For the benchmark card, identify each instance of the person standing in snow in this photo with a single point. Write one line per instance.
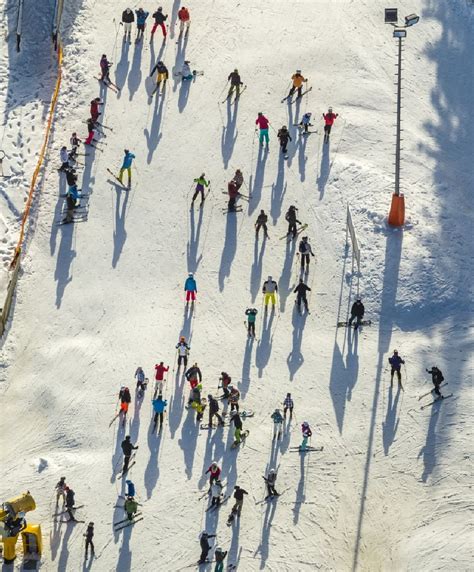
(214, 471)
(160, 371)
(89, 535)
(219, 555)
(64, 156)
(396, 363)
(329, 119)
(127, 20)
(183, 352)
(269, 289)
(284, 136)
(300, 292)
(277, 418)
(261, 222)
(90, 132)
(70, 502)
(357, 313)
(235, 83)
(306, 433)
(263, 124)
(141, 21)
(184, 20)
(159, 406)
(205, 546)
(61, 490)
(125, 400)
(437, 379)
(213, 405)
(140, 377)
(291, 219)
(216, 493)
(305, 123)
(234, 397)
(238, 426)
(162, 74)
(75, 143)
(305, 251)
(288, 405)
(190, 287)
(186, 73)
(130, 488)
(201, 183)
(298, 81)
(233, 192)
(126, 166)
(160, 20)
(225, 380)
(239, 493)
(127, 448)
(251, 314)
(193, 375)
(94, 109)
(130, 507)
(270, 481)
(105, 66)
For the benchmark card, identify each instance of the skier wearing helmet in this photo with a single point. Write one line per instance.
(214, 471)
(307, 433)
(357, 313)
(270, 480)
(201, 182)
(183, 351)
(190, 287)
(396, 362)
(298, 81)
(284, 136)
(235, 83)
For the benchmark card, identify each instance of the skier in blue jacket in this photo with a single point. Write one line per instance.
(396, 362)
(141, 19)
(190, 288)
(127, 166)
(159, 406)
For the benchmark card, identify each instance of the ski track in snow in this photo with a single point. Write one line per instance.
(391, 490)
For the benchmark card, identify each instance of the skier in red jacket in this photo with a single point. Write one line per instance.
(329, 119)
(160, 371)
(94, 110)
(263, 124)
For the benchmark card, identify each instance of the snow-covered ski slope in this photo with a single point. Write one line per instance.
(392, 488)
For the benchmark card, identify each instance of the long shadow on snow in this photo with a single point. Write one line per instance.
(324, 170)
(174, 18)
(135, 74)
(215, 449)
(117, 457)
(278, 190)
(134, 428)
(193, 242)
(428, 451)
(176, 404)
(188, 440)
(153, 136)
(152, 471)
(257, 185)
(125, 556)
(229, 249)
(244, 383)
(119, 233)
(300, 491)
(295, 358)
(64, 554)
(58, 211)
(229, 133)
(184, 90)
(263, 548)
(264, 346)
(256, 271)
(392, 420)
(121, 69)
(284, 288)
(66, 253)
(302, 158)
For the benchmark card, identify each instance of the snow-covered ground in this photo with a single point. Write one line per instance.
(392, 488)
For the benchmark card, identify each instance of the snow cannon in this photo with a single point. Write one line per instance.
(13, 522)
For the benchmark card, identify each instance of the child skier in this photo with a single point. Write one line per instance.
(234, 398)
(238, 426)
(214, 471)
(300, 292)
(183, 351)
(307, 433)
(437, 379)
(131, 507)
(216, 493)
(305, 123)
(270, 480)
(288, 404)
(190, 287)
(235, 83)
(94, 109)
(193, 375)
(291, 219)
(251, 314)
(162, 74)
(125, 399)
(105, 66)
(305, 251)
(127, 166)
(127, 448)
(284, 136)
(225, 380)
(61, 490)
(200, 184)
(140, 377)
(277, 423)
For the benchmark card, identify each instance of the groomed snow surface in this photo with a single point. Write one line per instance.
(392, 488)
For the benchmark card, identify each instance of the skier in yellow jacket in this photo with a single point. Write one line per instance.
(298, 81)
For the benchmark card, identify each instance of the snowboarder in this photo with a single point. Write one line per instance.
(141, 20)
(160, 371)
(238, 425)
(437, 378)
(234, 396)
(70, 502)
(305, 250)
(263, 124)
(298, 81)
(128, 18)
(357, 313)
(214, 410)
(261, 223)
(160, 19)
(269, 289)
(105, 66)
(127, 448)
(184, 20)
(130, 507)
(126, 166)
(225, 380)
(183, 351)
(270, 480)
(159, 406)
(284, 136)
(94, 109)
(219, 555)
(216, 493)
(61, 490)
(396, 362)
(291, 219)
(89, 535)
(306, 433)
(200, 184)
(305, 122)
(329, 119)
(205, 546)
(277, 423)
(288, 404)
(300, 292)
(214, 471)
(162, 74)
(239, 493)
(235, 84)
(140, 377)
(64, 156)
(190, 287)
(251, 314)
(193, 375)
(125, 400)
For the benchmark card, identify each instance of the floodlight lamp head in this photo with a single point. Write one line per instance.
(399, 33)
(391, 15)
(411, 20)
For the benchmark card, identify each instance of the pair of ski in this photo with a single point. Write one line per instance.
(297, 97)
(65, 511)
(236, 97)
(437, 398)
(124, 473)
(223, 500)
(272, 497)
(299, 230)
(110, 84)
(82, 217)
(305, 450)
(127, 522)
(346, 324)
(242, 414)
(119, 181)
(235, 210)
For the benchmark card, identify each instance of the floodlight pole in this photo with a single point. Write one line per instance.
(399, 119)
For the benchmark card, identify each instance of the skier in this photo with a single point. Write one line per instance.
(261, 223)
(70, 502)
(127, 448)
(160, 371)
(160, 19)
(305, 250)
(214, 471)
(270, 288)
(159, 406)
(195, 395)
(193, 375)
(239, 493)
(200, 184)
(214, 410)
(105, 66)
(277, 423)
(233, 195)
(219, 555)
(89, 535)
(183, 351)
(127, 20)
(94, 109)
(284, 136)
(162, 74)
(305, 122)
(198, 404)
(90, 132)
(298, 81)
(141, 19)
(125, 399)
(61, 490)
(190, 287)
(130, 507)
(270, 480)
(437, 378)
(288, 404)
(329, 119)
(300, 292)
(186, 73)
(238, 179)
(290, 217)
(75, 142)
(307, 433)
(235, 84)
(127, 166)
(216, 492)
(225, 379)
(263, 124)
(64, 156)
(205, 546)
(251, 314)
(184, 20)
(238, 426)
(357, 313)
(234, 398)
(70, 206)
(396, 362)
(140, 377)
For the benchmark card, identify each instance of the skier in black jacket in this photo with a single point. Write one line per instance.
(160, 19)
(290, 217)
(357, 313)
(235, 83)
(239, 493)
(284, 136)
(300, 291)
(262, 223)
(128, 17)
(89, 535)
(205, 546)
(213, 405)
(437, 378)
(305, 251)
(127, 448)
